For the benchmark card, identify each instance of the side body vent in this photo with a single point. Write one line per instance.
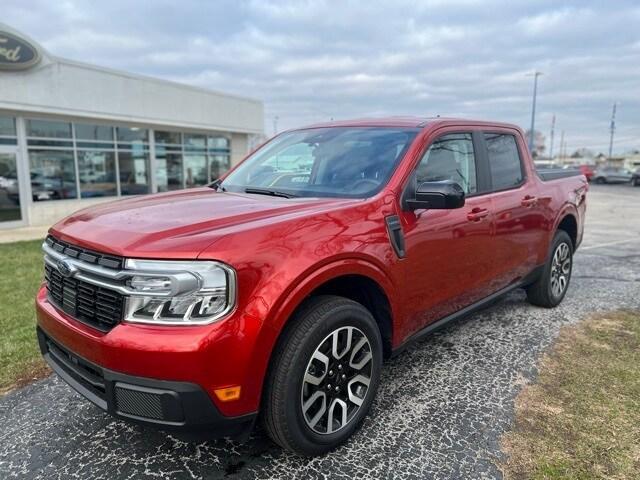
(396, 236)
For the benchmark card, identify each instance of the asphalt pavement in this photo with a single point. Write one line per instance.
(440, 412)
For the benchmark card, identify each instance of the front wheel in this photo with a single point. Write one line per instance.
(324, 376)
(549, 290)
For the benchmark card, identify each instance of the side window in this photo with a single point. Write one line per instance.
(450, 157)
(504, 160)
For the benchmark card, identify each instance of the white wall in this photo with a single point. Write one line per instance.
(64, 87)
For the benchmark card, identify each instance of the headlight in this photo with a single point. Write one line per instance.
(179, 293)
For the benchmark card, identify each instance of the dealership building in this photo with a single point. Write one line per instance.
(73, 134)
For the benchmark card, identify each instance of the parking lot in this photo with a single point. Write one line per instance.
(443, 404)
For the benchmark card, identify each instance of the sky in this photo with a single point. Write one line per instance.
(311, 61)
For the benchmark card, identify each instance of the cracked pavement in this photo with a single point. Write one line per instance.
(441, 409)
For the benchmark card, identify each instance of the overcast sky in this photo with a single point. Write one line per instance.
(310, 61)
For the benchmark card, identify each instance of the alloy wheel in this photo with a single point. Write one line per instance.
(336, 380)
(560, 269)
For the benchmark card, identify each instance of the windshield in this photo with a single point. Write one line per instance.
(351, 162)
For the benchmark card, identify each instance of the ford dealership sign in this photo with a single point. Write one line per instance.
(16, 53)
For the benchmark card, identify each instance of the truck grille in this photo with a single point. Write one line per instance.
(85, 255)
(96, 306)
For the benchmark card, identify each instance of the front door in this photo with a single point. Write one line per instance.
(11, 198)
(449, 253)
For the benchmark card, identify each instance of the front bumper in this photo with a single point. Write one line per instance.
(182, 408)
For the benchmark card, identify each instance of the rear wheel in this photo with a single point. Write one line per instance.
(549, 290)
(601, 180)
(324, 376)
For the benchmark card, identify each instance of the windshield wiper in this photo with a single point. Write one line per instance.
(266, 191)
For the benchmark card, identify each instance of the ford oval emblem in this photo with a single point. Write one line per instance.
(66, 268)
(16, 53)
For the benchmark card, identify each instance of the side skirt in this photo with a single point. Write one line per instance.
(474, 307)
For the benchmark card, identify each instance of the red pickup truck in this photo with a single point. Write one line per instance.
(278, 290)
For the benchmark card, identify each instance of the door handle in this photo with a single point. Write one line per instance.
(477, 214)
(529, 201)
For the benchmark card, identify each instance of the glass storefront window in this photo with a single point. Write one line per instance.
(7, 126)
(195, 170)
(48, 129)
(8, 131)
(97, 173)
(218, 164)
(218, 143)
(132, 134)
(9, 189)
(173, 138)
(193, 141)
(86, 131)
(53, 175)
(134, 176)
(182, 159)
(169, 171)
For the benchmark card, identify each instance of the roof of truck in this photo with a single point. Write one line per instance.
(408, 122)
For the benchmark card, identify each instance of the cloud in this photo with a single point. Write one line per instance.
(313, 60)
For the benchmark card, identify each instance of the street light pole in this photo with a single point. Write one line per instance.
(535, 74)
(613, 129)
(553, 127)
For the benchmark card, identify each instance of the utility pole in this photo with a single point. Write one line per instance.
(535, 74)
(613, 129)
(553, 127)
(275, 124)
(562, 146)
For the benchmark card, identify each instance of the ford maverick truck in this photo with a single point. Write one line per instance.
(275, 293)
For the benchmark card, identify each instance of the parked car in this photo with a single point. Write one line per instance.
(612, 175)
(635, 178)
(200, 311)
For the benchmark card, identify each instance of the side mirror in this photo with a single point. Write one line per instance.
(437, 195)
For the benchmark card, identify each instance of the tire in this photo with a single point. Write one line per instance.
(289, 412)
(600, 180)
(549, 290)
(635, 182)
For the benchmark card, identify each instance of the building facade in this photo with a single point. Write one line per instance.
(73, 134)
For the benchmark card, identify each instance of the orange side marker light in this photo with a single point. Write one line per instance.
(228, 394)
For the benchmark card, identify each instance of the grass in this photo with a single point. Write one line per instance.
(21, 272)
(581, 420)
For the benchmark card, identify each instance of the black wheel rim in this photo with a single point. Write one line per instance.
(336, 380)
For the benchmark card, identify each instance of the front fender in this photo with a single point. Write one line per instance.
(292, 298)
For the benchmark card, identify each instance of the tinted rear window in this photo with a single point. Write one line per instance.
(504, 160)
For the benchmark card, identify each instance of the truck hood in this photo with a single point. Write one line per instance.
(177, 224)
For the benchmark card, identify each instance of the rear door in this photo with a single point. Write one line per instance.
(519, 221)
(448, 262)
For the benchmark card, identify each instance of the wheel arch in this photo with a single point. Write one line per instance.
(569, 224)
(355, 279)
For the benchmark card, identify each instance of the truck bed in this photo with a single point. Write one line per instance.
(547, 174)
